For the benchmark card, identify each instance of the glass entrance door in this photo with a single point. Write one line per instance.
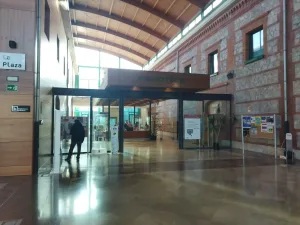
(193, 125)
(105, 116)
(101, 126)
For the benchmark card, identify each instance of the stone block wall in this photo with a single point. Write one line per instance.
(258, 85)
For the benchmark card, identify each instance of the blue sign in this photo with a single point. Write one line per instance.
(246, 121)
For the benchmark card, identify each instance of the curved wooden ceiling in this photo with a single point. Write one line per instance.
(133, 29)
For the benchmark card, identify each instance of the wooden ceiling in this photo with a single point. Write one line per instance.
(133, 29)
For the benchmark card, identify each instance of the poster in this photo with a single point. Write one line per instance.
(115, 139)
(257, 121)
(246, 121)
(253, 131)
(264, 128)
(192, 127)
(253, 120)
(270, 120)
(270, 129)
(67, 123)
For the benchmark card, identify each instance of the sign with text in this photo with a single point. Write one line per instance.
(12, 61)
(192, 127)
(247, 121)
(11, 87)
(20, 108)
(115, 138)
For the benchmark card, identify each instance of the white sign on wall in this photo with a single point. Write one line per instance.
(12, 61)
(192, 127)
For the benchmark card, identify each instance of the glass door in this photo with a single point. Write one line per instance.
(101, 126)
(105, 116)
(193, 125)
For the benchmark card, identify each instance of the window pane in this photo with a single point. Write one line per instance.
(108, 60)
(262, 38)
(129, 65)
(84, 84)
(207, 10)
(216, 63)
(256, 42)
(87, 57)
(88, 73)
(93, 84)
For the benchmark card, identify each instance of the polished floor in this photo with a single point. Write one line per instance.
(156, 184)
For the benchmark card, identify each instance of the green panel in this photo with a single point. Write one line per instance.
(11, 87)
(76, 112)
(76, 81)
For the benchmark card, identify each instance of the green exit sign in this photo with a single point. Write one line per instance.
(12, 87)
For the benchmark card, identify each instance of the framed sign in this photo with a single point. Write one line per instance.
(192, 127)
(12, 61)
(20, 108)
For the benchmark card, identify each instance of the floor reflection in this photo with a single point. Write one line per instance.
(155, 183)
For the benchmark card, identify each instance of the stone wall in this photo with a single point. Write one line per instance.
(258, 85)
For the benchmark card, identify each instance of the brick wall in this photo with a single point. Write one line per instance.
(258, 85)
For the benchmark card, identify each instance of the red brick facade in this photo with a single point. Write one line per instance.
(258, 85)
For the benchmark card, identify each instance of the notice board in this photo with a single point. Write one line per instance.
(260, 126)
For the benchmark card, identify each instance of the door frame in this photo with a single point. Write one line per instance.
(121, 95)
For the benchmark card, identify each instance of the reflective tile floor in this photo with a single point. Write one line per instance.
(156, 184)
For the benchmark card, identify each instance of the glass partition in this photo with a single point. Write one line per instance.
(193, 126)
(218, 124)
(78, 108)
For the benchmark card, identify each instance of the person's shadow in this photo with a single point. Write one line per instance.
(75, 173)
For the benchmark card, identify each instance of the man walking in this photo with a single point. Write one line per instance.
(77, 134)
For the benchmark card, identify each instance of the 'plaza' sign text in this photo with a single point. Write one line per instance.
(12, 61)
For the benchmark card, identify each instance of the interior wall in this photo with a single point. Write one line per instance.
(258, 85)
(52, 71)
(16, 129)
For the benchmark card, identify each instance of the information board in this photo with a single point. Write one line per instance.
(192, 127)
(260, 126)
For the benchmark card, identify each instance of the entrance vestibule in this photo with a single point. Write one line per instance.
(160, 106)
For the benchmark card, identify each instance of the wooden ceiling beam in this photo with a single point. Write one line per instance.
(118, 18)
(155, 12)
(110, 52)
(115, 33)
(85, 37)
(199, 3)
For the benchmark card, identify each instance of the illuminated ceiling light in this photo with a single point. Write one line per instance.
(135, 88)
(168, 90)
(175, 85)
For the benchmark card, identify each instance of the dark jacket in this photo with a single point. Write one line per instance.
(77, 132)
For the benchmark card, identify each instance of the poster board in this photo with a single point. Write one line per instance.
(67, 123)
(260, 126)
(192, 127)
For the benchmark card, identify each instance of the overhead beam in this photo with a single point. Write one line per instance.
(85, 37)
(121, 19)
(155, 12)
(115, 33)
(110, 52)
(200, 3)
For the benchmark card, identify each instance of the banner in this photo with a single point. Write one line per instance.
(192, 127)
(115, 139)
(67, 123)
